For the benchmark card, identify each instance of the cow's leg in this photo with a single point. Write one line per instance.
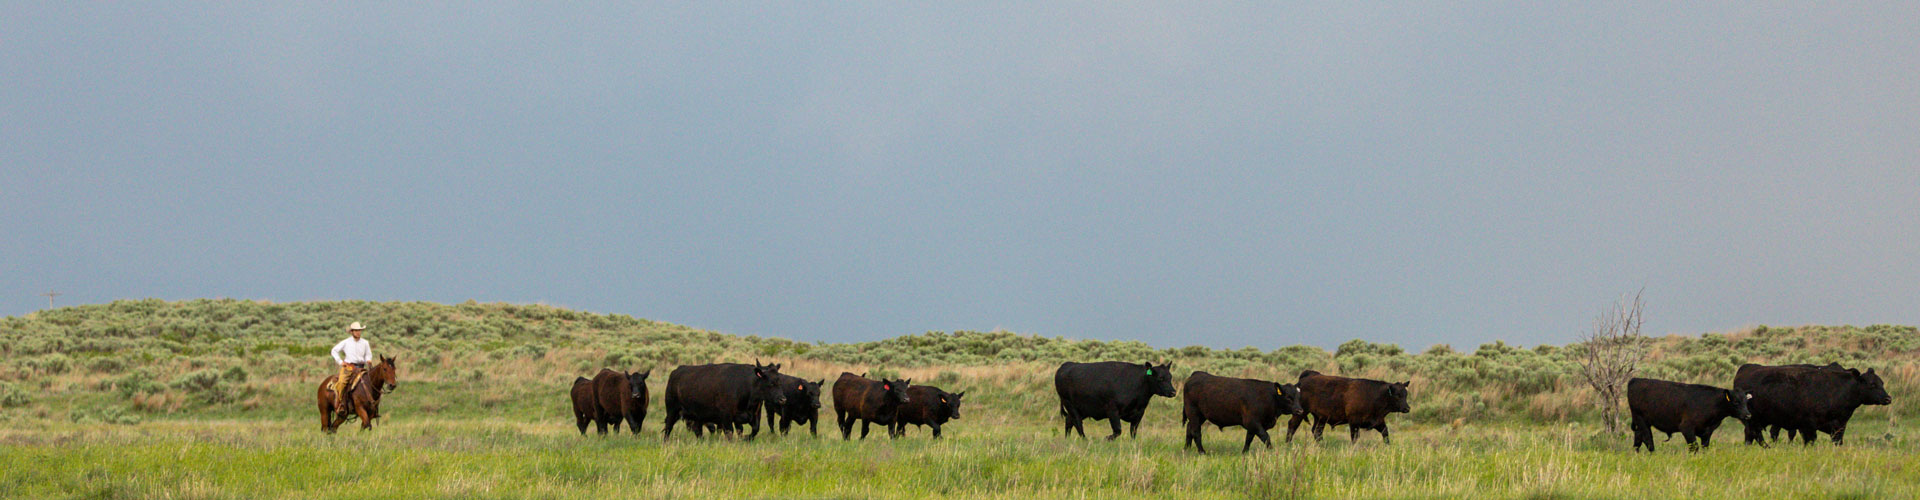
(601, 424)
(1753, 433)
(1353, 432)
(1293, 424)
(1774, 433)
(1642, 434)
(936, 430)
(1113, 420)
(1248, 445)
(1840, 435)
(673, 416)
(1193, 435)
(1386, 437)
(863, 428)
(1807, 436)
(1133, 429)
(615, 426)
(1692, 444)
(1318, 426)
(813, 426)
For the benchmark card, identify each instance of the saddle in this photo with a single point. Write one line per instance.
(354, 376)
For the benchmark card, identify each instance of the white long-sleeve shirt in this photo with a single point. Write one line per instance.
(353, 350)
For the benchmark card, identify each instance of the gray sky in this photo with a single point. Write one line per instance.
(1224, 175)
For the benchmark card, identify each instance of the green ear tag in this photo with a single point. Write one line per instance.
(1149, 371)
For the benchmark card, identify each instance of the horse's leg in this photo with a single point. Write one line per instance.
(360, 408)
(324, 417)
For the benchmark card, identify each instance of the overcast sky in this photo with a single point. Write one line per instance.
(1216, 174)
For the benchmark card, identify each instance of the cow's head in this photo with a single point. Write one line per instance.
(766, 385)
(801, 393)
(895, 390)
(1868, 389)
(1734, 402)
(637, 385)
(951, 403)
(1286, 397)
(1396, 398)
(1160, 378)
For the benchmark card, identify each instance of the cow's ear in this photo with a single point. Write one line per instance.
(758, 373)
(643, 375)
(821, 382)
(960, 394)
(1854, 371)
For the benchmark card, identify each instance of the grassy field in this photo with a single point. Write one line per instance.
(492, 458)
(214, 399)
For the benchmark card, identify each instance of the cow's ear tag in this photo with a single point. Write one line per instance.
(1749, 397)
(1149, 371)
(1729, 397)
(1280, 392)
(886, 387)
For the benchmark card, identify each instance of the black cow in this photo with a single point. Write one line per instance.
(929, 406)
(803, 404)
(619, 396)
(1112, 390)
(585, 409)
(723, 394)
(1254, 405)
(1356, 402)
(867, 401)
(1807, 399)
(1693, 410)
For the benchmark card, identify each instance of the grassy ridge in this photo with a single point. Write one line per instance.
(134, 360)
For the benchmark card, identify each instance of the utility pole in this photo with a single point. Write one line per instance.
(50, 295)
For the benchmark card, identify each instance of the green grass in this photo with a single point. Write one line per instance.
(215, 399)
(488, 458)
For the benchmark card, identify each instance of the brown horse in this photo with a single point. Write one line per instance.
(365, 394)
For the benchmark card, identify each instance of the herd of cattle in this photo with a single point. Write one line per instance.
(729, 398)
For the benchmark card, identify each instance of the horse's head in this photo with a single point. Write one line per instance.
(386, 377)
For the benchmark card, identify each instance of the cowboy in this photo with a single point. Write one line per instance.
(352, 354)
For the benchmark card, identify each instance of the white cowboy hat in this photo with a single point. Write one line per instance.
(355, 326)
